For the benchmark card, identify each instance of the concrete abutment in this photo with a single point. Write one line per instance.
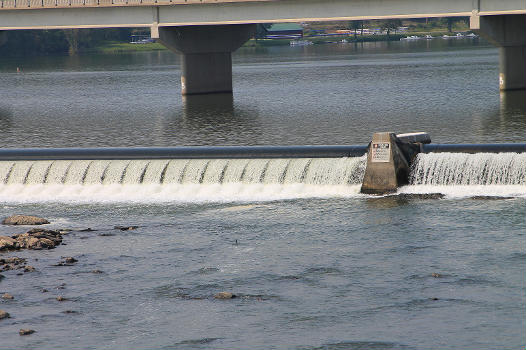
(206, 54)
(508, 32)
(389, 159)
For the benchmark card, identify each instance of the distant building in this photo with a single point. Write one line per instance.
(284, 31)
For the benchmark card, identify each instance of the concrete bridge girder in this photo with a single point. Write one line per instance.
(206, 54)
(508, 33)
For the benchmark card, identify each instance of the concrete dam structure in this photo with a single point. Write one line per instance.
(388, 164)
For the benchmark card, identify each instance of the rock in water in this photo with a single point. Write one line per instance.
(26, 331)
(29, 268)
(7, 296)
(12, 263)
(24, 220)
(70, 260)
(7, 243)
(125, 228)
(37, 238)
(3, 314)
(224, 295)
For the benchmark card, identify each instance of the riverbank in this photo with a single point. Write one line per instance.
(113, 47)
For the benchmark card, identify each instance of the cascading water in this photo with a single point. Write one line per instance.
(459, 175)
(469, 169)
(179, 179)
(320, 171)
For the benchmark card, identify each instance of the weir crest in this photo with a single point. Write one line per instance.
(319, 171)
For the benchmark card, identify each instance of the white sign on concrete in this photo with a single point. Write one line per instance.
(381, 152)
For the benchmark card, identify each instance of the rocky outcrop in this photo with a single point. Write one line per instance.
(24, 220)
(12, 263)
(39, 239)
(35, 238)
(7, 243)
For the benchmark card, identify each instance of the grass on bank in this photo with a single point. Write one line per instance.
(112, 47)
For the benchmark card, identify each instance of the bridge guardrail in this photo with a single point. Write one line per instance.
(40, 4)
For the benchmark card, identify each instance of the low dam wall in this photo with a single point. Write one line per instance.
(399, 161)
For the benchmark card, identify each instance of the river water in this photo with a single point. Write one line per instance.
(315, 264)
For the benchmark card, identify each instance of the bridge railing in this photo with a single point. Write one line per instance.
(28, 4)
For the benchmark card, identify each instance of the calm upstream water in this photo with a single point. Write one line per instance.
(314, 264)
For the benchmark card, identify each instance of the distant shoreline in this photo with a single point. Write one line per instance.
(121, 47)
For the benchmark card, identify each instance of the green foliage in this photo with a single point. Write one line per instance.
(261, 29)
(41, 42)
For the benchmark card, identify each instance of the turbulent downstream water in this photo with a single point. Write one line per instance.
(315, 264)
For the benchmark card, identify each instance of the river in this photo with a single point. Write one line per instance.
(314, 264)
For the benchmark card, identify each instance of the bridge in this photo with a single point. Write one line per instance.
(206, 32)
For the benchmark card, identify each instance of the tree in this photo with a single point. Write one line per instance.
(390, 24)
(355, 25)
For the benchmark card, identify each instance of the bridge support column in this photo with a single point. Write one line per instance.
(3, 37)
(206, 54)
(508, 32)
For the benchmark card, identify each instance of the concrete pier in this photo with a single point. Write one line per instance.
(206, 54)
(389, 159)
(387, 167)
(508, 32)
(3, 37)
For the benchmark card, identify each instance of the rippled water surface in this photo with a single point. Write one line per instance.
(314, 265)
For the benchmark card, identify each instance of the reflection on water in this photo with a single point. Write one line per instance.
(513, 102)
(220, 104)
(5, 119)
(510, 119)
(317, 94)
(216, 115)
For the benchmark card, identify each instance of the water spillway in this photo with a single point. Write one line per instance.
(318, 171)
(191, 174)
(468, 169)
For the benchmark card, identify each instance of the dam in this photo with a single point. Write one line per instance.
(223, 171)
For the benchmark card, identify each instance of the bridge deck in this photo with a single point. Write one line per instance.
(62, 14)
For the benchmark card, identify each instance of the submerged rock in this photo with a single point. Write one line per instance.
(7, 296)
(12, 263)
(3, 314)
(24, 220)
(224, 295)
(26, 331)
(491, 197)
(125, 228)
(418, 195)
(61, 298)
(29, 268)
(436, 275)
(68, 260)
